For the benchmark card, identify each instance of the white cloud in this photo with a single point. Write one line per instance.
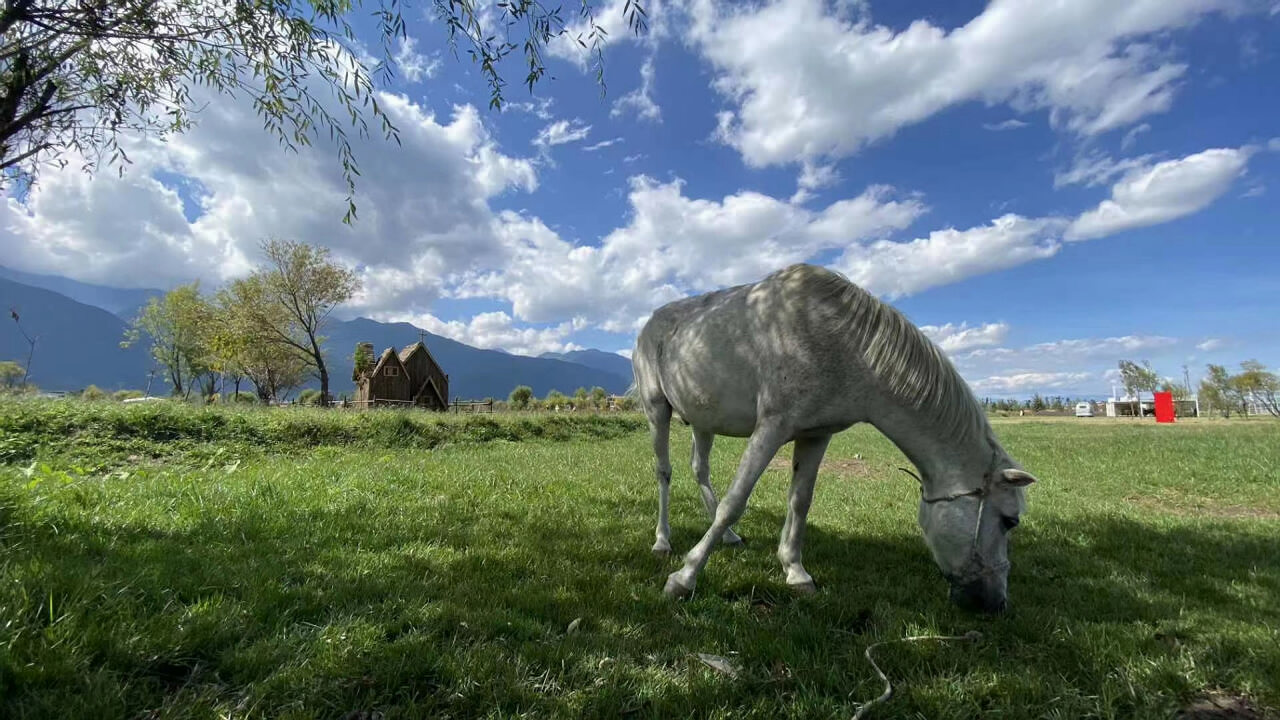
(561, 132)
(813, 177)
(602, 144)
(626, 353)
(610, 17)
(1066, 352)
(640, 101)
(1131, 137)
(412, 227)
(896, 269)
(1069, 366)
(1029, 382)
(493, 330)
(1098, 169)
(1010, 124)
(540, 109)
(414, 65)
(804, 83)
(1210, 345)
(1163, 192)
(959, 338)
(673, 246)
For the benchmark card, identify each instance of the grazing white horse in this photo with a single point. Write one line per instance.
(799, 356)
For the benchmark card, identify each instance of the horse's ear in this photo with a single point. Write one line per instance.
(1017, 478)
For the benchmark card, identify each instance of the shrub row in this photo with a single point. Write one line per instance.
(28, 425)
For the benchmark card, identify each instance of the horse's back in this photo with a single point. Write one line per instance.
(718, 357)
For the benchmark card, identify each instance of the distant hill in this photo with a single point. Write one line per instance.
(598, 359)
(76, 344)
(122, 302)
(79, 345)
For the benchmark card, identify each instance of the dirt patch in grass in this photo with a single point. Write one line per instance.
(1224, 706)
(1201, 508)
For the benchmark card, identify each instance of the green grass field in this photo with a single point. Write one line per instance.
(162, 562)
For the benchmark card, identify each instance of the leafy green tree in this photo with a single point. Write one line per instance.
(599, 397)
(288, 302)
(92, 393)
(1138, 378)
(176, 326)
(245, 342)
(555, 398)
(1256, 383)
(520, 397)
(1216, 390)
(77, 75)
(363, 359)
(11, 374)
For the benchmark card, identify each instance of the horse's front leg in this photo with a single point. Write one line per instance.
(804, 473)
(768, 437)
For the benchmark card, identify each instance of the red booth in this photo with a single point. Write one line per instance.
(1164, 407)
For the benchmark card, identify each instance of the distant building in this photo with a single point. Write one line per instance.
(410, 377)
(1129, 406)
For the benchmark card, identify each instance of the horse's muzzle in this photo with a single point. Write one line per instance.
(978, 596)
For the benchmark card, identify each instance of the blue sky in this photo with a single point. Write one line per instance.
(1045, 189)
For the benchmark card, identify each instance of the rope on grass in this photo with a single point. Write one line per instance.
(971, 636)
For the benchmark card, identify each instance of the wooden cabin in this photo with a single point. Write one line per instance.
(409, 377)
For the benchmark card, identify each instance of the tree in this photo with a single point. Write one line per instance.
(1216, 390)
(10, 374)
(76, 75)
(1255, 382)
(247, 343)
(1137, 378)
(520, 397)
(289, 302)
(599, 397)
(555, 399)
(363, 359)
(176, 324)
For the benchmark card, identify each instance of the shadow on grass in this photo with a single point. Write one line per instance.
(319, 613)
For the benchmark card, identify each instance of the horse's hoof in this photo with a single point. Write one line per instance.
(675, 589)
(733, 541)
(804, 588)
(661, 551)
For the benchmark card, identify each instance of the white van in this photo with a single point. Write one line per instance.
(1084, 409)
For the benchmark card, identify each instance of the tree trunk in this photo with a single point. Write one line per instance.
(321, 369)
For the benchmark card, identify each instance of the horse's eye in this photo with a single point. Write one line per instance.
(1009, 523)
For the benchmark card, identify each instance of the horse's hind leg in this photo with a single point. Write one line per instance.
(806, 459)
(764, 444)
(702, 442)
(659, 414)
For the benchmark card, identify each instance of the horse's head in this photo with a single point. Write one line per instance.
(967, 531)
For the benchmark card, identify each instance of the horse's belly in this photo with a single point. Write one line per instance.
(708, 405)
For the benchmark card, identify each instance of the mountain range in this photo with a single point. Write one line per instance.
(79, 326)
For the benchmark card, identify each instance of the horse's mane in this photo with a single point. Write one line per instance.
(905, 362)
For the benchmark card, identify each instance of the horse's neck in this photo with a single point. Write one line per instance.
(920, 437)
